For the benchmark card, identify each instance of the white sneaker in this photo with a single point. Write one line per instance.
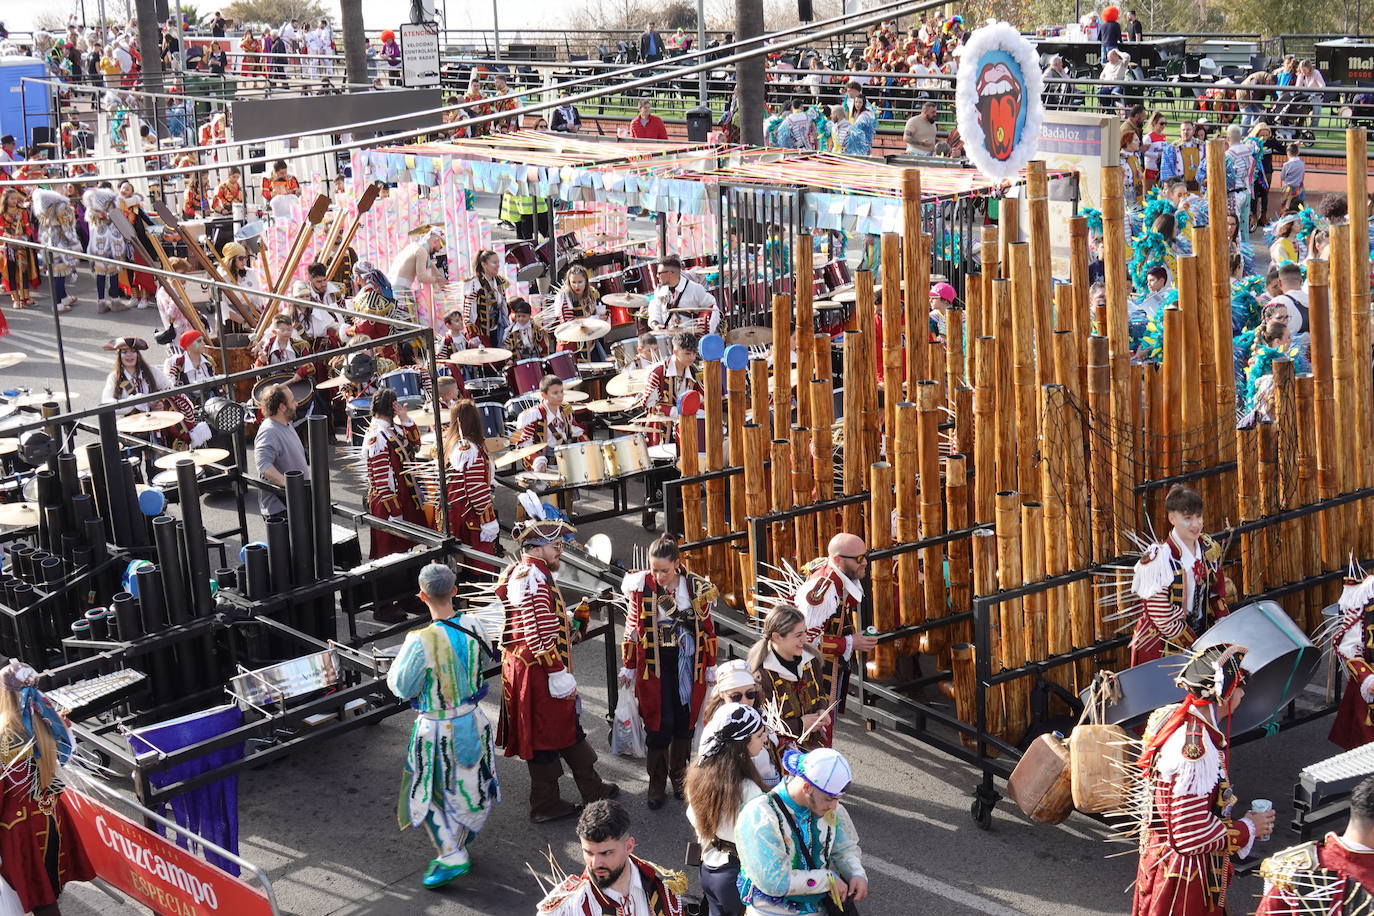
(140, 303)
(63, 308)
(102, 306)
(70, 300)
(119, 305)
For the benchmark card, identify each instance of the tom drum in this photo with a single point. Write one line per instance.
(580, 463)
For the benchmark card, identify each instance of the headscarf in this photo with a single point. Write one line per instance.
(21, 678)
(732, 722)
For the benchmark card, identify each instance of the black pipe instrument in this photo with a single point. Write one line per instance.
(99, 488)
(115, 507)
(279, 554)
(80, 629)
(197, 556)
(69, 482)
(127, 614)
(48, 497)
(30, 632)
(173, 576)
(161, 667)
(83, 508)
(138, 522)
(322, 512)
(96, 618)
(257, 583)
(301, 528)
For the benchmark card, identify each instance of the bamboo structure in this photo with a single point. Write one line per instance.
(931, 509)
(912, 599)
(985, 550)
(882, 661)
(915, 271)
(1011, 620)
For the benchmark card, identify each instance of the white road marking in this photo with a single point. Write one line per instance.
(935, 886)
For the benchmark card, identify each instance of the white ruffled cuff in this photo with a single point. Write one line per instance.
(562, 685)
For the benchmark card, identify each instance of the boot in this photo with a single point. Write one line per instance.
(545, 802)
(582, 761)
(657, 765)
(678, 755)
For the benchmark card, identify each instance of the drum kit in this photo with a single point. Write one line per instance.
(151, 422)
(201, 457)
(526, 260)
(625, 307)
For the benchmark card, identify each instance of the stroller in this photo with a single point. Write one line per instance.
(1293, 118)
(1359, 113)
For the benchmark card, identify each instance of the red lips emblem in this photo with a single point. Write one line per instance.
(999, 107)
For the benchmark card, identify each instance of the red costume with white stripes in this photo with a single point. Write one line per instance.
(1353, 642)
(662, 388)
(830, 601)
(274, 351)
(537, 643)
(650, 628)
(1181, 593)
(1188, 836)
(470, 503)
(390, 492)
(544, 424)
(1332, 877)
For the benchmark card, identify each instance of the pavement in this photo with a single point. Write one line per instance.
(322, 822)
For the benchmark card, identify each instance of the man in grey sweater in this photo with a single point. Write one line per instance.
(277, 448)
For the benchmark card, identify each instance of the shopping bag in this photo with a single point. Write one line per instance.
(627, 733)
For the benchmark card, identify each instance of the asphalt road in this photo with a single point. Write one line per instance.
(322, 822)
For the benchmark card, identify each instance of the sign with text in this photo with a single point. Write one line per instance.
(1082, 143)
(155, 871)
(420, 55)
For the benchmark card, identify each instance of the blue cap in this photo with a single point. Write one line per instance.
(711, 347)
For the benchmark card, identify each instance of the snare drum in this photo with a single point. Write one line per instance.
(580, 463)
(837, 274)
(619, 314)
(625, 455)
(609, 283)
(493, 419)
(830, 318)
(359, 416)
(562, 364)
(527, 264)
(527, 374)
(487, 388)
(406, 384)
(595, 367)
(166, 481)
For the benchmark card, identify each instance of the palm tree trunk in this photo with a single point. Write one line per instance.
(355, 55)
(749, 73)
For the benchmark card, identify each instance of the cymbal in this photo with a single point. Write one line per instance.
(150, 422)
(479, 356)
(421, 417)
(610, 405)
(575, 397)
(517, 455)
(632, 428)
(12, 359)
(422, 229)
(496, 443)
(337, 381)
(631, 381)
(9, 446)
(750, 336)
(37, 398)
(20, 515)
(201, 456)
(625, 300)
(655, 418)
(582, 330)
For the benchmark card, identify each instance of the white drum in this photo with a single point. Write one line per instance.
(625, 455)
(625, 352)
(580, 463)
(667, 452)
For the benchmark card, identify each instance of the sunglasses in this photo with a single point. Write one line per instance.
(741, 695)
(861, 558)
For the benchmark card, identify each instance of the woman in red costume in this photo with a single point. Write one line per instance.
(471, 509)
(18, 265)
(39, 851)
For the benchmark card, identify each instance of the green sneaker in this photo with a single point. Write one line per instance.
(438, 874)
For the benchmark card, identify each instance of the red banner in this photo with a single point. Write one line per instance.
(155, 871)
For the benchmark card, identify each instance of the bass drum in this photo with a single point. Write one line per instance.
(1279, 660)
(580, 463)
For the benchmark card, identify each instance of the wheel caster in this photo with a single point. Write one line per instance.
(981, 814)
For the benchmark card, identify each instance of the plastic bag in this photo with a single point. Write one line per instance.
(9, 900)
(627, 732)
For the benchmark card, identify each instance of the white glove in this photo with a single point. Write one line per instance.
(627, 675)
(490, 531)
(200, 434)
(541, 464)
(1367, 689)
(562, 685)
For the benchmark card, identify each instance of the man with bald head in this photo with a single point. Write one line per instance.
(830, 599)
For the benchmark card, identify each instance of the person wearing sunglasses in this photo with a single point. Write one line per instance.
(788, 672)
(735, 684)
(668, 657)
(798, 849)
(721, 780)
(830, 599)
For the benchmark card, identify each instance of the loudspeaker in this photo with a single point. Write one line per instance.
(804, 11)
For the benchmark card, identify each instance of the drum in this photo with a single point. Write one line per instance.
(818, 285)
(166, 481)
(568, 246)
(642, 278)
(1280, 661)
(544, 252)
(663, 454)
(406, 384)
(359, 416)
(699, 262)
(609, 283)
(527, 374)
(830, 317)
(527, 263)
(625, 455)
(487, 388)
(518, 405)
(493, 419)
(595, 367)
(625, 352)
(562, 364)
(665, 343)
(580, 463)
(238, 347)
(836, 274)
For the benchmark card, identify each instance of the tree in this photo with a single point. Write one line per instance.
(355, 55)
(274, 12)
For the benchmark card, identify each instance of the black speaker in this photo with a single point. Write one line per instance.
(804, 11)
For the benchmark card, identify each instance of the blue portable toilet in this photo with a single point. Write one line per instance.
(20, 101)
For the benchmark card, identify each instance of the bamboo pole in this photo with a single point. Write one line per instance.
(1079, 282)
(717, 512)
(929, 414)
(780, 474)
(894, 358)
(1357, 264)
(1267, 548)
(1054, 481)
(985, 546)
(736, 404)
(1009, 226)
(854, 468)
(963, 668)
(823, 451)
(1010, 613)
(914, 276)
(992, 270)
(973, 309)
(1308, 545)
(984, 429)
(1285, 497)
(758, 392)
(961, 402)
(1036, 634)
(907, 468)
(1041, 272)
(1171, 416)
(689, 464)
(1024, 385)
(1118, 339)
(1006, 393)
(1099, 407)
(882, 660)
(802, 256)
(1247, 494)
(756, 499)
(1192, 416)
(960, 550)
(782, 364)
(803, 490)
(1328, 446)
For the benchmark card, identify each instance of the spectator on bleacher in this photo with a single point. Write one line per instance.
(1135, 29)
(647, 125)
(565, 118)
(858, 139)
(1287, 72)
(920, 132)
(1114, 70)
(1311, 79)
(650, 45)
(218, 60)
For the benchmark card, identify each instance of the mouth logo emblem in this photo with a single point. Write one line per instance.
(999, 109)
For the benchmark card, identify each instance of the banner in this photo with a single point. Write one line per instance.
(154, 871)
(419, 55)
(997, 100)
(1071, 141)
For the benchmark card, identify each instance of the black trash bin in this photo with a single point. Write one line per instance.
(698, 124)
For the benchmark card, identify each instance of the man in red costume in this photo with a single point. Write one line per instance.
(539, 702)
(1333, 876)
(391, 440)
(1354, 635)
(830, 599)
(1187, 834)
(668, 656)
(669, 379)
(1179, 582)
